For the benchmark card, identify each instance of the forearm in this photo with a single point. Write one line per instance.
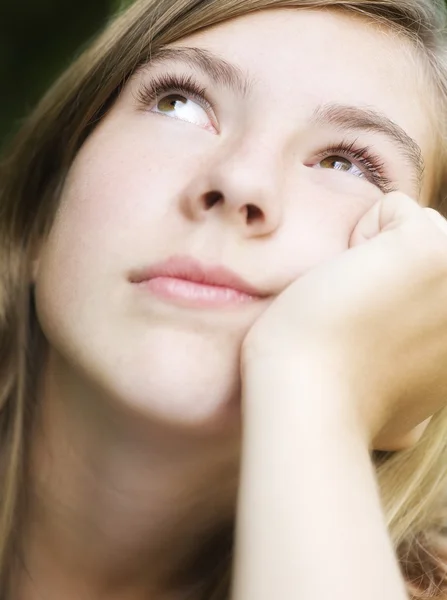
(310, 523)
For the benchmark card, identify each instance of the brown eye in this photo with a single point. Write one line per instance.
(169, 103)
(366, 164)
(336, 162)
(179, 106)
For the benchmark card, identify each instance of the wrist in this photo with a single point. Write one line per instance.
(295, 391)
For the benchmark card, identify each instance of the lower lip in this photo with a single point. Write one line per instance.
(195, 294)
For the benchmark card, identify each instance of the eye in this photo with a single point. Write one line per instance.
(179, 97)
(339, 163)
(362, 162)
(183, 108)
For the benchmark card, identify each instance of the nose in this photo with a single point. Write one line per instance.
(238, 185)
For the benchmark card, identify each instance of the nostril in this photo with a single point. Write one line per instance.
(212, 198)
(253, 212)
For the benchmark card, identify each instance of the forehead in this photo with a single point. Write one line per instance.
(303, 58)
(315, 52)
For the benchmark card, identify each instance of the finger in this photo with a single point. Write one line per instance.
(437, 218)
(389, 212)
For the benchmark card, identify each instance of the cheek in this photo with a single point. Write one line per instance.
(321, 218)
(115, 213)
(106, 194)
(117, 186)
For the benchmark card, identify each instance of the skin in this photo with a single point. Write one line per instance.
(137, 442)
(349, 357)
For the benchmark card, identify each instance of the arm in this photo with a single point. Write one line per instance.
(310, 523)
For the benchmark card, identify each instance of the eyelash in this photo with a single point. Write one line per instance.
(151, 91)
(175, 84)
(373, 164)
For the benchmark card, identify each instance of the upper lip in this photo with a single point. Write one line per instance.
(186, 267)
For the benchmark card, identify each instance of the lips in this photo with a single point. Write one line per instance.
(190, 269)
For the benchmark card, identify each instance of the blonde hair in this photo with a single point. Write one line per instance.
(412, 482)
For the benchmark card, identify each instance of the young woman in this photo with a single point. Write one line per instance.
(223, 309)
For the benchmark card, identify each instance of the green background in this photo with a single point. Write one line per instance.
(38, 39)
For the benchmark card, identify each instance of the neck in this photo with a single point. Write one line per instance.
(119, 507)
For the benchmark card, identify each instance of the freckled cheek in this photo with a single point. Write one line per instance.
(120, 184)
(144, 171)
(116, 188)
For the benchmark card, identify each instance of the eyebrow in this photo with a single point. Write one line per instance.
(220, 71)
(355, 118)
(343, 116)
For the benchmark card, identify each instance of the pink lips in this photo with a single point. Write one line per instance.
(184, 278)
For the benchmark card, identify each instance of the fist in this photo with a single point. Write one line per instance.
(376, 316)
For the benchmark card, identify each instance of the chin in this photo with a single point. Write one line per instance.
(183, 380)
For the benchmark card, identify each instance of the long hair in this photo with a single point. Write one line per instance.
(412, 482)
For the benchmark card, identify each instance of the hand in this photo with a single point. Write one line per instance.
(375, 316)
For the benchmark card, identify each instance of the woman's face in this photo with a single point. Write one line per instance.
(310, 82)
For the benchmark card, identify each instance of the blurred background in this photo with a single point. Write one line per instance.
(38, 39)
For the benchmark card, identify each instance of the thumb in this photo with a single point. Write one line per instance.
(390, 212)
